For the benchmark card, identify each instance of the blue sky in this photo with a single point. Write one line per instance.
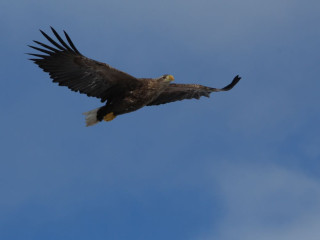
(240, 165)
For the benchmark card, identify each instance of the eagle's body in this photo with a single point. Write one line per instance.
(123, 92)
(135, 99)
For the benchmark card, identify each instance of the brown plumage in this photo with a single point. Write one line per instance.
(123, 92)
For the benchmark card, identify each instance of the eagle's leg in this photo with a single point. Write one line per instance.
(109, 117)
(105, 113)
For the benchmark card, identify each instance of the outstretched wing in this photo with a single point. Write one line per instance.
(178, 92)
(68, 67)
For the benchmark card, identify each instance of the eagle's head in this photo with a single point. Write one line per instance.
(167, 78)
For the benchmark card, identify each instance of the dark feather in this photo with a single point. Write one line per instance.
(46, 46)
(71, 43)
(38, 55)
(41, 50)
(228, 87)
(52, 41)
(61, 40)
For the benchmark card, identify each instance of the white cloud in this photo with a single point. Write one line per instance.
(266, 202)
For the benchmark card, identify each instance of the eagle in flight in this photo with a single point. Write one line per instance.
(122, 92)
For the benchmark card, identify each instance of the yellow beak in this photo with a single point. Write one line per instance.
(170, 78)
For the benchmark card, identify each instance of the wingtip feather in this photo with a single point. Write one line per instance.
(71, 43)
(234, 82)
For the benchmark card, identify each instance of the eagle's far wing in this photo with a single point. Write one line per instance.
(178, 92)
(68, 67)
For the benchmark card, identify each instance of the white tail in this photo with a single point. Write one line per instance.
(91, 117)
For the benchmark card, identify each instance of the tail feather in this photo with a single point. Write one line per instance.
(91, 117)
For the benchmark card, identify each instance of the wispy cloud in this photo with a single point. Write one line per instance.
(266, 202)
